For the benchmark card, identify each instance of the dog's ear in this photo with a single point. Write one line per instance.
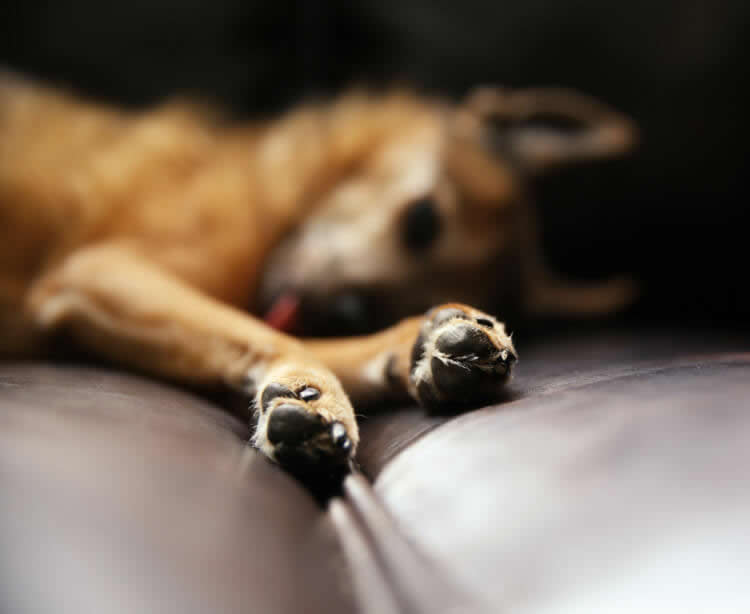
(539, 129)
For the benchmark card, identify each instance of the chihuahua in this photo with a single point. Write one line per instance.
(150, 238)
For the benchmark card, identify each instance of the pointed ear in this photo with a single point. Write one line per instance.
(539, 129)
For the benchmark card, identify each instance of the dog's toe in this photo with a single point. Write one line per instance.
(462, 358)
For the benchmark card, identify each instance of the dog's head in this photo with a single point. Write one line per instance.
(435, 211)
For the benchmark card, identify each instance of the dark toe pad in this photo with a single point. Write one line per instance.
(274, 391)
(292, 425)
(465, 340)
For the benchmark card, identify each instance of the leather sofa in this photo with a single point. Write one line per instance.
(613, 478)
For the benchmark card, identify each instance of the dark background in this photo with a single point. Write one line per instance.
(674, 214)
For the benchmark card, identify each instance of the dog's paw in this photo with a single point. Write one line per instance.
(305, 421)
(461, 358)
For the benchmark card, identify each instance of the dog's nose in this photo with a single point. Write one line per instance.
(292, 425)
(351, 312)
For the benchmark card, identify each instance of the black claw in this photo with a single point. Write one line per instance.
(309, 394)
(273, 391)
(340, 437)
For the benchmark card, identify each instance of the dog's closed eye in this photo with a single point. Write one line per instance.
(422, 224)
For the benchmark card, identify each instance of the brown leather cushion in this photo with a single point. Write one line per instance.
(118, 494)
(613, 477)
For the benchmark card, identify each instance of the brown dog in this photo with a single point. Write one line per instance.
(147, 236)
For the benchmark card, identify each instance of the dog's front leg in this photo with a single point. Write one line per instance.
(454, 356)
(114, 300)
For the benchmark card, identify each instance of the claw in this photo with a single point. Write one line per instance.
(339, 436)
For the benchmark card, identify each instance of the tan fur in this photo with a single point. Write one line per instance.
(148, 235)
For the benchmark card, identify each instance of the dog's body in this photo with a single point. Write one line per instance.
(149, 236)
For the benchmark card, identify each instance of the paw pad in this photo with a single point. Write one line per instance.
(274, 391)
(296, 435)
(291, 424)
(461, 357)
(464, 340)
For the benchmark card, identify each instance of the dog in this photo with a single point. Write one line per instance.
(150, 237)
